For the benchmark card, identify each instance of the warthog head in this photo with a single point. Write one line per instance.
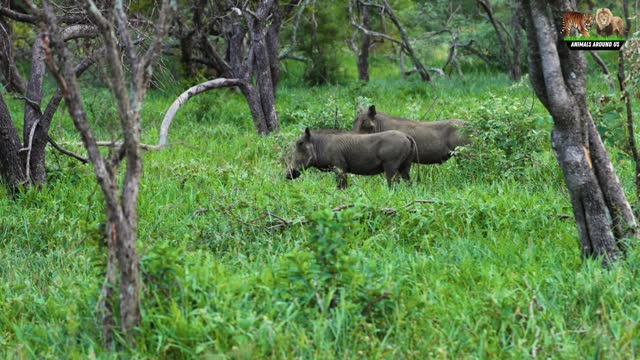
(365, 121)
(304, 155)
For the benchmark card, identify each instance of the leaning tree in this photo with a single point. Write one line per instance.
(558, 75)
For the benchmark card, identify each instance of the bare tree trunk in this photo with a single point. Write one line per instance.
(511, 63)
(515, 71)
(365, 44)
(407, 44)
(401, 62)
(121, 208)
(262, 67)
(11, 168)
(558, 78)
(627, 101)
(13, 82)
(33, 121)
(186, 54)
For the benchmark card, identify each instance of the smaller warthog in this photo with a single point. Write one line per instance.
(436, 139)
(390, 152)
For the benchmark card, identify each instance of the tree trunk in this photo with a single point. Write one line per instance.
(186, 53)
(13, 82)
(35, 130)
(424, 75)
(627, 102)
(515, 71)
(602, 213)
(129, 274)
(263, 71)
(363, 54)
(272, 44)
(11, 166)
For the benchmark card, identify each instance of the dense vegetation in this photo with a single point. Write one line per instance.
(477, 259)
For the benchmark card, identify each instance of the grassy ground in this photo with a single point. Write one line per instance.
(239, 263)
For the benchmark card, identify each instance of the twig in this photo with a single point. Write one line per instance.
(55, 145)
(367, 308)
(342, 207)
(28, 149)
(430, 106)
(31, 103)
(421, 201)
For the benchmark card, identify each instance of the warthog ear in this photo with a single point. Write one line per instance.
(372, 110)
(307, 134)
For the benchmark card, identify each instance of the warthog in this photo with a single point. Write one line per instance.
(436, 140)
(390, 152)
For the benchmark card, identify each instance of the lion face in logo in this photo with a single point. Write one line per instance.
(603, 17)
(607, 24)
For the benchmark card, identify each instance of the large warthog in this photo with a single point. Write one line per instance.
(390, 152)
(436, 140)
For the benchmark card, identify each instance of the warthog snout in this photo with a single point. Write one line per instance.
(292, 174)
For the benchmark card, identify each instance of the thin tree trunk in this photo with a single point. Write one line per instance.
(33, 120)
(515, 71)
(262, 69)
(11, 165)
(624, 222)
(13, 82)
(365, 44)
(272, 44)
(627, 102)
(486, 5)
(407, 44)
(105, 304)
(186, 54)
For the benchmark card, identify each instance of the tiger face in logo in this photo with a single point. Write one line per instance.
(580, 21)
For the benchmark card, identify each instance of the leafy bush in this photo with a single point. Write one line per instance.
(506, 137)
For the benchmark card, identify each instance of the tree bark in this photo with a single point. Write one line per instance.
(121, 208)
(33, 120)
(515, 71)
(11, 168)
(262, 67)
(558, 78)
(627, 102)
(13, 82)
(365, 44)
(424, 75)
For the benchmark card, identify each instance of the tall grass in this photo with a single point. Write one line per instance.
(239, 263)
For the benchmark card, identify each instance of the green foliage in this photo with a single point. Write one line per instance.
(506, 134)
(320, 37)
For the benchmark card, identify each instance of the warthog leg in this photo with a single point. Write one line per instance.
(391, 173)
(341, 178)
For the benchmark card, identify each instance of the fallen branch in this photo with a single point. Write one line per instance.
(604, 68)
(367, 308)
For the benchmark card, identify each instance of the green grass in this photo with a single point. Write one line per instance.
(594, 38)
(489, 269)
